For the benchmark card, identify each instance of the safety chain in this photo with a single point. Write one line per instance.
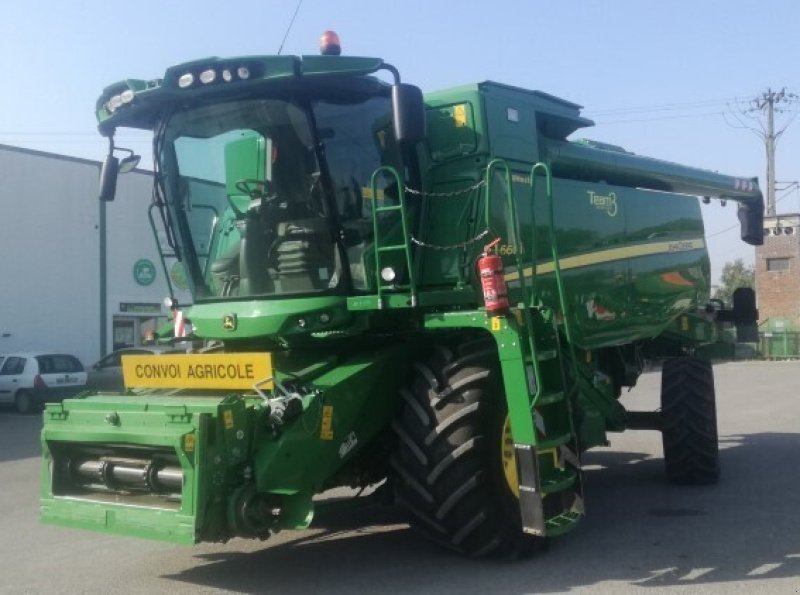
(462, 245)
(455, 193)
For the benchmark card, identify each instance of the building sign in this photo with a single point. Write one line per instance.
(144, 271)
(140, 308)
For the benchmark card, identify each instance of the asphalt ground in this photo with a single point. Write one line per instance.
(640, 533)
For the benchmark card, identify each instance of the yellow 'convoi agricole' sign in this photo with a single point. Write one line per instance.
(236, 371)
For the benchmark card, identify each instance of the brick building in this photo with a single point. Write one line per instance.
(778, 270)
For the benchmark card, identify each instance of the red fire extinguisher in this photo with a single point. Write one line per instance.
(493, 282)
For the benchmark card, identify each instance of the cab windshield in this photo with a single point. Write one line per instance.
(271, 197)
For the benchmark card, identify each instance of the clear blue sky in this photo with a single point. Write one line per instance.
(655, 76)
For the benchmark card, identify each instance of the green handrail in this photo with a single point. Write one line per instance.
(562, 300)
(513, 228)
(516, 240)
(553, 240)
(378, 249)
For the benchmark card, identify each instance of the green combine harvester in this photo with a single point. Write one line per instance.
(435, 301)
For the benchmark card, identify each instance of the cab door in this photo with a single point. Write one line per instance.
(61, 372)
(10, 375)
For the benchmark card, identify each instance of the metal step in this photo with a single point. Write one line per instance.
(555, 441)
(546, 355)
(550, 398)
(562, 480)
(562, 523)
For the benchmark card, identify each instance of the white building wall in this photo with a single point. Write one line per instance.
(50, 278)
(48, 254)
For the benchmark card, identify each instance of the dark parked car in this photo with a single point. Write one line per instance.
(106, 375)
(28, 380)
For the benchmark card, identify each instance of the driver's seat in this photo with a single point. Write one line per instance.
(301, 258)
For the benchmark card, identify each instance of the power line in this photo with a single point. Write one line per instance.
(664, 106)
(633, 120)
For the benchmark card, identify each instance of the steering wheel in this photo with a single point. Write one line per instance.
(255, 190)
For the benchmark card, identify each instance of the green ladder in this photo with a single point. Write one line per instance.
(557, 380)
(387, 287)
(550, 482)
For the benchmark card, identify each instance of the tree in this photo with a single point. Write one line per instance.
(734, 274)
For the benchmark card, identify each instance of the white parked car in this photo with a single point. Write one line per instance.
(107, 373)
(28, 380)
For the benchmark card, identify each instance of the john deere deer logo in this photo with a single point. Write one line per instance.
(229, 322)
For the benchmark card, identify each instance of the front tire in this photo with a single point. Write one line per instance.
(25, 402)
(689, 421)
(448, 462)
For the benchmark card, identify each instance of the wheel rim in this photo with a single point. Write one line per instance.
(508, 458)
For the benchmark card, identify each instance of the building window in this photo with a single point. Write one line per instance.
(777, 264)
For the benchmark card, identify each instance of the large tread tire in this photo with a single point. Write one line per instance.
(689, 421)
(447, 465)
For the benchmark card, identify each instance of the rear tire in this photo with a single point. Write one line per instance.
(25, 402)
(448, 463)
(689, 421)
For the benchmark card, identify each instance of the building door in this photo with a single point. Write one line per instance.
(124, 332)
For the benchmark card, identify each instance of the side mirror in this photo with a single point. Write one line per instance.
(108, 178)
(408, 110)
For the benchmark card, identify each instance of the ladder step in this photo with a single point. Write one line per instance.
(562, 523)
(389, 208)
(546, 355)
(393, 248)
(555, 441)
(550, 398)
(561, 480)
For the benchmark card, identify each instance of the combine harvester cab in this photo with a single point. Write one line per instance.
(436, 299)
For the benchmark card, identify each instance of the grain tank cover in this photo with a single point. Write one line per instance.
(555, 117)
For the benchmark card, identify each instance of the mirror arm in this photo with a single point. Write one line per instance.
(108, 174)
(395, 73)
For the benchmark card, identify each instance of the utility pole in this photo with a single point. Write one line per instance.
(768, 103)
